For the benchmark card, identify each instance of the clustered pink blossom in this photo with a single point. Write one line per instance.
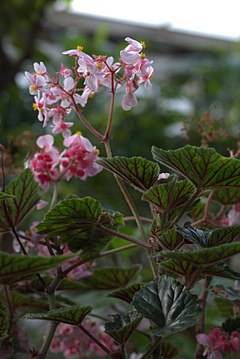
(71, 341)
(55, 98)
(218, 342)
(78, 159)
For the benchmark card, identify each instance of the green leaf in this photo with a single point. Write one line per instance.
(122, 326)
(203, 257)
(137, 171)
(4, 320)
(204, 167)
(25, 195)
(20, 300)
(70, 315)
(167, 304)
(170, 196)
(227, 196)
(126, 294)
(79, 221)
(4, 196)
(14, 267)
(109, 278)
(170, 239)
(169, 351)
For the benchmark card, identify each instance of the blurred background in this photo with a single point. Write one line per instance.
(195, 95)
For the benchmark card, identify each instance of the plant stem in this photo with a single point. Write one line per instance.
(110, 117)
(201, 324)
(95, 340)
(54, 195)
(156, 343)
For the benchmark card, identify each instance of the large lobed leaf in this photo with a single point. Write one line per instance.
(167, 304)
(137, 171)
(23, 195)
(203, 257)
(71, 315)
(14, 267)
(204, 167)
(79, 221)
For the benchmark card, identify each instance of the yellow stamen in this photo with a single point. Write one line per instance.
(33, 87)
(35, 106)
(38, 73)
(79, 133)
(143, 43)
(142, 55)
(99, 65)
(91, 95)
(79, 47)
(96, 152)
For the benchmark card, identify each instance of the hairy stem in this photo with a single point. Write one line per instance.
(95, 340)
(155, 345)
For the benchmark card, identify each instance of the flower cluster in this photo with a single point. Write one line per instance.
(78, 159)
(72, 342)
(218, 342)
(56, 97)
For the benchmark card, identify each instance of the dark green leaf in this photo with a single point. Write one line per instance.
(204, 257)
(71, 315)
(170, 239)
(224, 307)
(223, 235)
(204, 167)
(4, 320)
(139, 172)
(169, 196)
(14, 267)
(109, 278)
(126, 294)
(122, 326)
(167, 304)
(231, 324)
(20, 300)
(79, 221)
(25, 192)
(182, 268)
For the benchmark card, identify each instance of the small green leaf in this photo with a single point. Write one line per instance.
(79, 222)
(109, 278)
(4, 320)
(70, 315)
(223, 235)
(122, 326)
(167, 304)
(182, 268)
(204, 167)
(170, 196)
(14, 267)
(25, 195)
(203, 257)
(137, 171)
(170, 239)
(126, 294)
(20, 300)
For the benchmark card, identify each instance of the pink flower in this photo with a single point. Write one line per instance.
(79, 160)
(40, 68)
(132, 51)
(35, 82)
(217, 343)
(72, 342)
(59, 126)
(234, 215)
(43, 164)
